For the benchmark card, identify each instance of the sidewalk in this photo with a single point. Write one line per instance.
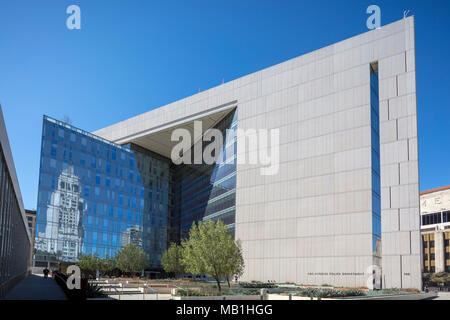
(36, 287)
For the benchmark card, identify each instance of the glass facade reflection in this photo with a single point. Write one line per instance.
(376, 187)
(209, 191)
(95, 197)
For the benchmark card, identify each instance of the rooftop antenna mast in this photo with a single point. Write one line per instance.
(405, 14)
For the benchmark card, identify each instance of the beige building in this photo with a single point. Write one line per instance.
(435, 229)
(346, 197)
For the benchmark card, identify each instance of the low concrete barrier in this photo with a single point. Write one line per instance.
(249, 297)
(7, 285)
(411, 296)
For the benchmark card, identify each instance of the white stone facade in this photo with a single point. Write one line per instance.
(312, 222)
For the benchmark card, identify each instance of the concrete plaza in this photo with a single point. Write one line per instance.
(36, 287)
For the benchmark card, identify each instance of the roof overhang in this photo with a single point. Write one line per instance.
(158, 139)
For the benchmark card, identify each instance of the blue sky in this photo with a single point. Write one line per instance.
(131, 56)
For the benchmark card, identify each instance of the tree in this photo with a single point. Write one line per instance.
(89, 264)
(131, 258)
(235, 262)
(106, 265)
(209, 249)
(441, 277)
(172, 259)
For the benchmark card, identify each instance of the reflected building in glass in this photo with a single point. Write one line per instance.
(96, 196)
(63, 231)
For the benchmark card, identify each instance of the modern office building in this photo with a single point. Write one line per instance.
(435, 214)
(96, 196)
(15, 239)
(31, 220)
(317, 175)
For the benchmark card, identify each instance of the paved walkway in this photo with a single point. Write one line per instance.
(36, 287)
(443, 296)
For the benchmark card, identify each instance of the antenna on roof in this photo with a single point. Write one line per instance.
(67, 119)
(405, 14)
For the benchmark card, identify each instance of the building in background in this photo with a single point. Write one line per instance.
(342, 209)
(31, 220)
(133, 235)
(435, 215)
(15, 238)
(63, 232)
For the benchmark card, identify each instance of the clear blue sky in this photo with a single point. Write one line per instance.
(132, 56)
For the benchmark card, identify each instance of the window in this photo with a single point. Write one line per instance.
(446, 216)
(432, 218)
(375, 158)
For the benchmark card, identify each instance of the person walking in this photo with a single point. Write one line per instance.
(46, 271)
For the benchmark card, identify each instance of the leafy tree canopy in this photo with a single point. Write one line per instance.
(89, 263)
(131, 258)
(172, 259)
(441, 277)
(211, 250)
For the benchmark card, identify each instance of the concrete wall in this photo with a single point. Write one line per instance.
(433, 202)
(312, 222)
(4, 142)
(15, 239)
(401, 244)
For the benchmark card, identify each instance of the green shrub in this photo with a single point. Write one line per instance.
(208, 293)
(95, 291)
(190, 293)
(329, 293)
(258, 285)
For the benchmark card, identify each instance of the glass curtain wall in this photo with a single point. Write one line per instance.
(96, 197)
(376, 193)
(204, 191)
